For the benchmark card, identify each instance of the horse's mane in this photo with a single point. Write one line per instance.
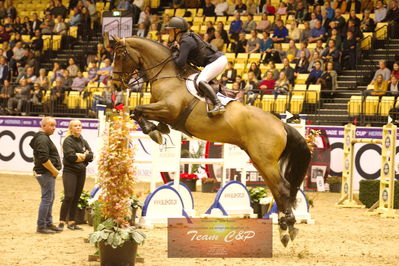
(190, 69)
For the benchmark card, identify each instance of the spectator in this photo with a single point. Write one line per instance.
(124, 5)
(91, 6)
(328, 81)
(105, 98)
(292, 50)
(66, 80)
(9, 25)
(353, 5)
(264, 24)
(6, 92)
(378, 86)
(393, 85)
(223, 32)
(145, 16)
(288, 70)
(325, 21)
(331, 54)
(357, 34)
(395, 69)
(273, 69)
(4, 36)
(268, 8)
(241, 82)
(303, 46)
(57, 96)
(251, 87)
(47, 25)
(380, 11)
(367, 24)
(79, 82)
(229, 75)
(218, 42)
(72, 68)
(60, 27)
(301, 12)
(136, 82)
(221, 8)
(339, 21)
(92, 71)
(104, 72)
(252, 7)
(85, 24)
(313, 20)
(354, 18)
(35, 22)
(282, 9)
(305, 33)
(102, 53)
(293, 32)
(42, 80)
(29, 77)
(250, 24)
(235, 26)
(267, 85)
(17, 38)
(255, 69)
(17, 58)
(319, 47)
(3, 69)
(77, 155)
(266, 43)
(18, 101)
(335, 37)
(330, 11)
(57, 72)
(280, 33)
(253, 44)
(209, 9)
(281, 53)
(37, 95)
(37, 43)
(315, 74)
(317, 33)
(18, 26)
(3, 11)
(315, 58)
(210, 29)
(240, 7)
(384, 71)
(50, 6)
(302, 64)
(207, 38)
(349, 51)
(341, 5)
(239, 46)
(141, 32)
(282, 86)
(59, 10)
(47, 167)
(393, 18)
(76, 18)
(11, 10)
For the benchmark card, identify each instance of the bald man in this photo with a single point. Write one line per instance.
(47, 165)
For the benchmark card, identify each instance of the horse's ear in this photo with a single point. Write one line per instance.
(106, 39)
(116, 38)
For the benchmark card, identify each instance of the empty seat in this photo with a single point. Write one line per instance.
(371, 105)
(313, 93)
(299, 90)
(355, 105)
(296, 104)
(386, 104)
(268, 103)
(280, 105)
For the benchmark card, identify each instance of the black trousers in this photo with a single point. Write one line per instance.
(73, 187)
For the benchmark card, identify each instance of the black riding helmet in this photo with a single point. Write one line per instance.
(178, 23)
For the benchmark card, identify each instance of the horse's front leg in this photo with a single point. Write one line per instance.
(153, 111)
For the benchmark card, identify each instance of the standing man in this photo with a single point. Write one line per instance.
(46, 169)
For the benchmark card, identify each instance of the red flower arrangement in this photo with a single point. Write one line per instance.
(188, 176)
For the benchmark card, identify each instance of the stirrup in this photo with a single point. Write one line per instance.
(217, 110)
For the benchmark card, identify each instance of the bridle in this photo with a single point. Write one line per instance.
(125, 76)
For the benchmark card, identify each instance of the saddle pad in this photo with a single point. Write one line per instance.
(191, 88)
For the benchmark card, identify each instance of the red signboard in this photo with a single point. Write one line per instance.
(219, 238)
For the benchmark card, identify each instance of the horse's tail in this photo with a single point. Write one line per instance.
(294, 161)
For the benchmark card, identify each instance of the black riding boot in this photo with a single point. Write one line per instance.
(208, 92)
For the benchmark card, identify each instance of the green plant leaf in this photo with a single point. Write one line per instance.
(117, 240)
(100, 227)
(104, 234)
(137, 237)
(110, 238)
(108, 224)
(124, 234)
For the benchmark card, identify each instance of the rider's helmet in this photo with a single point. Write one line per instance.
(178, 23)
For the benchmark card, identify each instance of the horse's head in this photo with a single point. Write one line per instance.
(126, 61)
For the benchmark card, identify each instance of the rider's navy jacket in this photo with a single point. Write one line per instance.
(195, 51)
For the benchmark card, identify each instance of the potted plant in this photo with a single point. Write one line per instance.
(190, 180)
(256, 194)
(209, 185)
(136, 204)
(335, 183)
(116, 238)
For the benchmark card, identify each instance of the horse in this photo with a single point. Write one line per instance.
(277, 150)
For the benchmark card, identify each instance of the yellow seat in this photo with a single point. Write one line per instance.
(222, 19)
(381, 31)
(240, 68)
(231, 56)
(211, 19)
(134, 99)
(25, 38)
(301, 78)
(193, 11)
(73, 100)
(386, 104)
(146, 98)
(299, 90)
(242, 58)
(365, 43)
(355, 105)
(200, 12)
(203, 29)
(268, 103)
(56, 42)
(170, 12)
(198, 20)
(254, 57)
(281, 103)
(296, 104)
(73, 31)
(313, 93)
(180, 12)
(84, 102)
(371, 105)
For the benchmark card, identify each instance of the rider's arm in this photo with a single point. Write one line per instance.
(186, 46)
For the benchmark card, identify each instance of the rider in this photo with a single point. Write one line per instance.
(192, 49)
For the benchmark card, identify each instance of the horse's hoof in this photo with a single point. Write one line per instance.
(163, 128)
(293, 233)
(156, 136)
(285, 239)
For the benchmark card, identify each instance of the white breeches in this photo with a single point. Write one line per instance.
(213, 70)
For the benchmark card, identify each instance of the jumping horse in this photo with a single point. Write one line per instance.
(277, 150)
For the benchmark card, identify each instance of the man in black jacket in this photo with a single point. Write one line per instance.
(47, 165)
